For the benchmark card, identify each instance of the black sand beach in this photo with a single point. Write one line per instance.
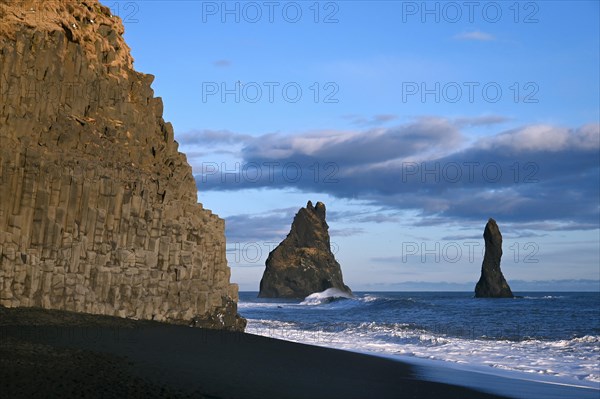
(46, 353)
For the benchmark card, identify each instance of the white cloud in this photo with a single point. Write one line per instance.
(375, 120)
(529, 174)
(545, 138)
(475, 35)
(222, 63)
(486, 120)
(361, 147)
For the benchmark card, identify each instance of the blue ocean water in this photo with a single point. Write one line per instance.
(545, 333)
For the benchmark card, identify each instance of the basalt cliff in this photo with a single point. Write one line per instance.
(303, 263)
(98, 208)
(492, 284)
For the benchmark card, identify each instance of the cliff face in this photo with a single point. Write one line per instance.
(492, 284)
(98, 209)
(303, 263)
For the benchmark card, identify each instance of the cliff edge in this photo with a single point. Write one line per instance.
(303, 263)
(98, 209)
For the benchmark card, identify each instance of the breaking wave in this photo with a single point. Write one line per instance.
(327, 296)
(558, 337)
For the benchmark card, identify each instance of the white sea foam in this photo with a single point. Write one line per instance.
(326, 296)
(357, 325)
(368, 298)
(543, 297)
(272, 305)
(576, 359)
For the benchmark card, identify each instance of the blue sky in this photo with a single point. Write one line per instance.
(413, 122)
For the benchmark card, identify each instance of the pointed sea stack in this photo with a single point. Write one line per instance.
(492, 284)
(303, 263)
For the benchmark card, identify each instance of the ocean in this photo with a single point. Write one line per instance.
(551, 334)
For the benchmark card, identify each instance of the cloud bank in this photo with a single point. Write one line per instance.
(542, 175)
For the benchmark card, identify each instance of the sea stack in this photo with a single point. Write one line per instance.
(492, 284)
(303, 263)
(98, 209)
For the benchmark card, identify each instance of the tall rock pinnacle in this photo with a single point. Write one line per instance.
(303, 263)
(98, 208)
(492, 284)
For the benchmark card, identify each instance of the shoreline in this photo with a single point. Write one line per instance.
(487, 379)
(449, 330)
(49, 352)
(493, 380)
(61, 353)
